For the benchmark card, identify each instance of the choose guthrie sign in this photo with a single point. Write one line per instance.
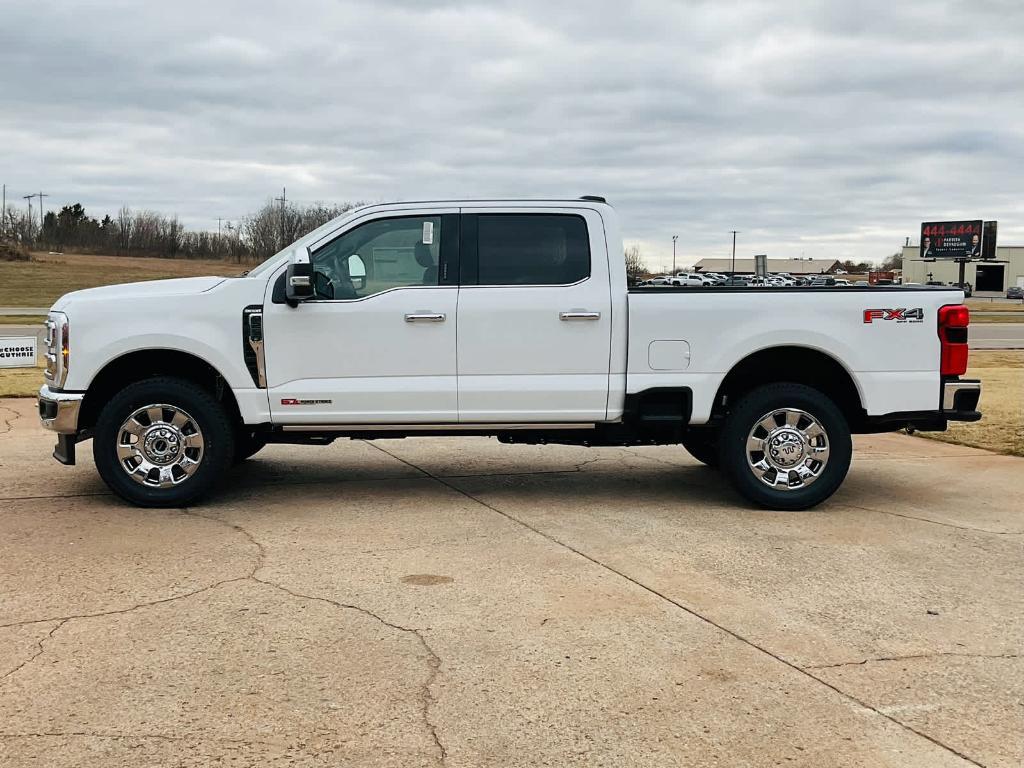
(17, 352)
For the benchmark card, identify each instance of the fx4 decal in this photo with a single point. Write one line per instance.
(901, 315)
(294, 401)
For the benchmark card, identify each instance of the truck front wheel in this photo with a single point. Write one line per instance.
(162, 442)
(785, 446)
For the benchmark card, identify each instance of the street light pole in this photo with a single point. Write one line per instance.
(733, 274)
(674, 238)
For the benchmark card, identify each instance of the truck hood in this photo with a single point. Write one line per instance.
(151, 288)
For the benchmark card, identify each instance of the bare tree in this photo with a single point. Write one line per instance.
(124, 230)
(895, 261)
(635, 267)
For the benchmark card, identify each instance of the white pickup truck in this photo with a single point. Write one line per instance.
(508, 318)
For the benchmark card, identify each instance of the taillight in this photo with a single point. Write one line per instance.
(953, 322)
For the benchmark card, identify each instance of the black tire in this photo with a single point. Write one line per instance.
(247, 445)
(749, 411)
(702, 444)
(204, 411)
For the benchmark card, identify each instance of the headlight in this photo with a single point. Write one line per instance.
(58, 349)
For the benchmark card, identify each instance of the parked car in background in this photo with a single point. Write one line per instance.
(823, 282)
(715, 277)
(736, 281)
(1015, 292)
(862, 283)
(691, 279)
(967, 288)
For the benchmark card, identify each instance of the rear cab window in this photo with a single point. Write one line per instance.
(527, 249)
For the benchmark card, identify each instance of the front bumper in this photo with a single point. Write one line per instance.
(58, 411)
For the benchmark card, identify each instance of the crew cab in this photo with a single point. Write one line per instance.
(506, 318)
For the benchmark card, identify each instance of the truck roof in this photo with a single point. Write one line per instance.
(495, 201)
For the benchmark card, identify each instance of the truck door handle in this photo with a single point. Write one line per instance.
(579, 315)
(425, 317)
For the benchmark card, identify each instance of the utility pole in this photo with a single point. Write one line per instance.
(674, 238)
(3, 215)
(41, 196)
(29, 198)
(219, 220)
(734, 233)
(282, 200)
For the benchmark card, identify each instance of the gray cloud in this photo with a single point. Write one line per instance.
(830, 129)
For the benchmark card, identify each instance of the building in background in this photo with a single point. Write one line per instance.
(795, 267)
(985, 276)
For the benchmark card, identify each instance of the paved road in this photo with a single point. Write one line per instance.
(24, 310)
(997, 335)
(457, 602)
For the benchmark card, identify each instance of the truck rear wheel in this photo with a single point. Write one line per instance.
(162, 442)
(785, 446)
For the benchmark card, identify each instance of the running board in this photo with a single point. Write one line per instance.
(480, 427)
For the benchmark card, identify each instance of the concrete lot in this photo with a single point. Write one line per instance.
(460, 602)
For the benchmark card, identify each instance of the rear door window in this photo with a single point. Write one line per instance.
(532, 249)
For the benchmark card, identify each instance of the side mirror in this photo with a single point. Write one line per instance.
(298, 282)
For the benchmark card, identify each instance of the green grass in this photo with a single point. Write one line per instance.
(1001, 428)
(1017, 317)
(20, 382)
(40, 282)
(22, 319)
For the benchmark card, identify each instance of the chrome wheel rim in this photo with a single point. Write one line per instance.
(160, 446)
(787, 449)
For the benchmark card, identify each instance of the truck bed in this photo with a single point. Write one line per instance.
(683, 336)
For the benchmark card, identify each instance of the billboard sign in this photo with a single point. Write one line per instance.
(988, 240)
(951, 240)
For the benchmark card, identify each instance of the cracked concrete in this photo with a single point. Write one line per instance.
(8, 421)
(915, 656)
(569, 607)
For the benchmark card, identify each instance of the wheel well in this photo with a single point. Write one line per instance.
(800, 365)
(145, 364)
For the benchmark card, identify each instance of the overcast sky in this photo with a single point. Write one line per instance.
(819, 129)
